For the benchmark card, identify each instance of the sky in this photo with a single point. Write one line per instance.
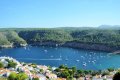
(59, 13)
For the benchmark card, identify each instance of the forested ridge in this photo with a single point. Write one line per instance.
(108, 37)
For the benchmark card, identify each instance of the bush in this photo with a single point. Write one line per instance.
(1, 65)
(65, 74)
(41, 70)
(22, 76)
(117, 76)
(35, 78)
(105, 73)
(110, 69)
(11, 64)
(12, 76)
(19, 76)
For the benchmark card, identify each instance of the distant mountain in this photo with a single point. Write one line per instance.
(109, 27)
(75, 28)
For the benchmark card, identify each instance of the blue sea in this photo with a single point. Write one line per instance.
(55, 56)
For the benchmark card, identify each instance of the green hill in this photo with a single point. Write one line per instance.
(10, 37)
(107, 37)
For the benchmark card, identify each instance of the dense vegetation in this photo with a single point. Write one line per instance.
(70, 73)
(117, 76)
(19, 76)
(98, 36)
(108, 37)
(10, 37)
(45, 35)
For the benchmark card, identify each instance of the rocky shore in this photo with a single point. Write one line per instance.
(13, 45)
(78, 45)
(72, 44)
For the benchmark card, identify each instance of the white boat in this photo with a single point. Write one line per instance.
(77, 60)
(84, 64)
(45, 51)
(65, 64)
(56, 45)
(51, 56)
(93, 62)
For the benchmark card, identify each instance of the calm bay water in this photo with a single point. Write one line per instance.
(55, 56)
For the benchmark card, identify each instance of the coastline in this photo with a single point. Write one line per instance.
(12, 46)
(44, 72)
(71, 44)
(77, 45)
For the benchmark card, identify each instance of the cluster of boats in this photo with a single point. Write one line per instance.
(89, 56)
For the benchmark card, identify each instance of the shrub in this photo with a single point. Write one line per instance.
(116, 76)
(35, 78)
(12, 76)
(11, 64)
(1, 65)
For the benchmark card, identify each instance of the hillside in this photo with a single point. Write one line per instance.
(10, 38)
(92, 38)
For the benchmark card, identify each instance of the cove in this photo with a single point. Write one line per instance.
(56, 56)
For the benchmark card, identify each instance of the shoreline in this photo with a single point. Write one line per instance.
(75, 45)
(45, 71)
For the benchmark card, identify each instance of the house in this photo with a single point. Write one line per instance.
(4, 72)
(51, 76)
(39, 76)
(27, 71)
(4, 62)
(42, 67)
(61, 79)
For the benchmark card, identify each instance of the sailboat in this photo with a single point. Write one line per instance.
(60, 57)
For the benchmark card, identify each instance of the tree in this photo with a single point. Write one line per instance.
(63, 67)
(19, 76)
(110, 69)
(12, 76)
(105, 73)
(57, 70)
(1, 65)
(74, 70)
(116, 76)
(65, 74)
(11, 64)
(22, 76)
(35, 78)
(80, 71)
(86, 71)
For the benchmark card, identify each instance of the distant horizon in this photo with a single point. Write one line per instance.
(58, 13)
(63, 26)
